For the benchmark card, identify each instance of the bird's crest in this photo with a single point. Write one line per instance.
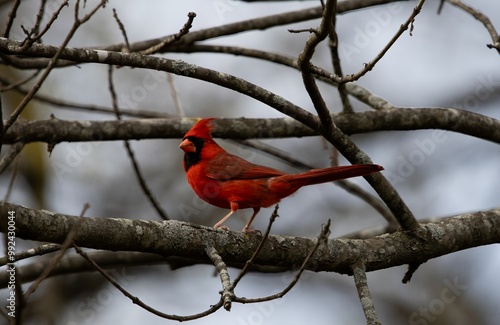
(201, 129)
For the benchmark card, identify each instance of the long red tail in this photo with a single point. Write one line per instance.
(324, 175)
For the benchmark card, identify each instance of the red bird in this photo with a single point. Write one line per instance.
(230, 182)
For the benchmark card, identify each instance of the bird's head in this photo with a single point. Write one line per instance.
(196, 140)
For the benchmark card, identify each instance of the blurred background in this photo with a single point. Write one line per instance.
(444, 64)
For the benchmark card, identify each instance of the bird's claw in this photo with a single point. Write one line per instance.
(251, 231)
(223, 228)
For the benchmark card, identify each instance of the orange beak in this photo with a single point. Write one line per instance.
(187, 146)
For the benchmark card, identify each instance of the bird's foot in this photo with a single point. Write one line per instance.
(223, 228)
(249, 231)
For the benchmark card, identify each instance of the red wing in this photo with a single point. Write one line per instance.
(227, 167)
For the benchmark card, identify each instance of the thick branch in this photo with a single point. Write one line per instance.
(55, 131)
(176, 238)
(177, 67)
(260, 23)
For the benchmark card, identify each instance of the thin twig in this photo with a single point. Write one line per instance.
(38, 250)
(52, 63)
(483, 19)
(135, 165)
(227, 293)
(322, 239)
(440, 8)
(65, 245)
(357, 91)
(305, 30)
(249, 262)
(11, 182)
(370, 65)
(122, 29)
(17, 84)
(412, 268)
(139, 302)
(47, 26)
(7, 159)
(174, 93)
(337, 68)
(304, 61)
(1, 124)
(34, 30)
(12, 16)
(365, 297)
(72, 263)
(340, 140)
(59, 103)
(173, 38)
(225, 30)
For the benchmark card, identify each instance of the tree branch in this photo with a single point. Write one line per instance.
(364, 294)
(260, 23)
(176, 238)
(178, 67)
(483, 19)
(331, 132)
(55, 131)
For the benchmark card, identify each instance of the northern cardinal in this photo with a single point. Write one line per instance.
(230, 182)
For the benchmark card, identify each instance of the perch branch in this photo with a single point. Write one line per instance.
(176, 238)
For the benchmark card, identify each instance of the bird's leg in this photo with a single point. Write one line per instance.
(247, 226)
(234, 207)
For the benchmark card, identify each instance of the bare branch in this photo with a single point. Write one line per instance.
(370, 65)
(341, 141)
(364, 294)
(224, 30)
(174, 66)
(357, 91)
(7, 159)
(39, 250)
(14, 172)
(73, 263)
(13, 117)
(12, 16)
(65, 245)
(122, 29)
(483, 19)
(139, 302)
(34, 31)
(249, 262)
(322, 239)
(227, 293)
(17, 84)
(59, 103)
(171, 39)
(135, 165)
(176, 238)
(412, 268)
(337, 68)
(450, 119)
